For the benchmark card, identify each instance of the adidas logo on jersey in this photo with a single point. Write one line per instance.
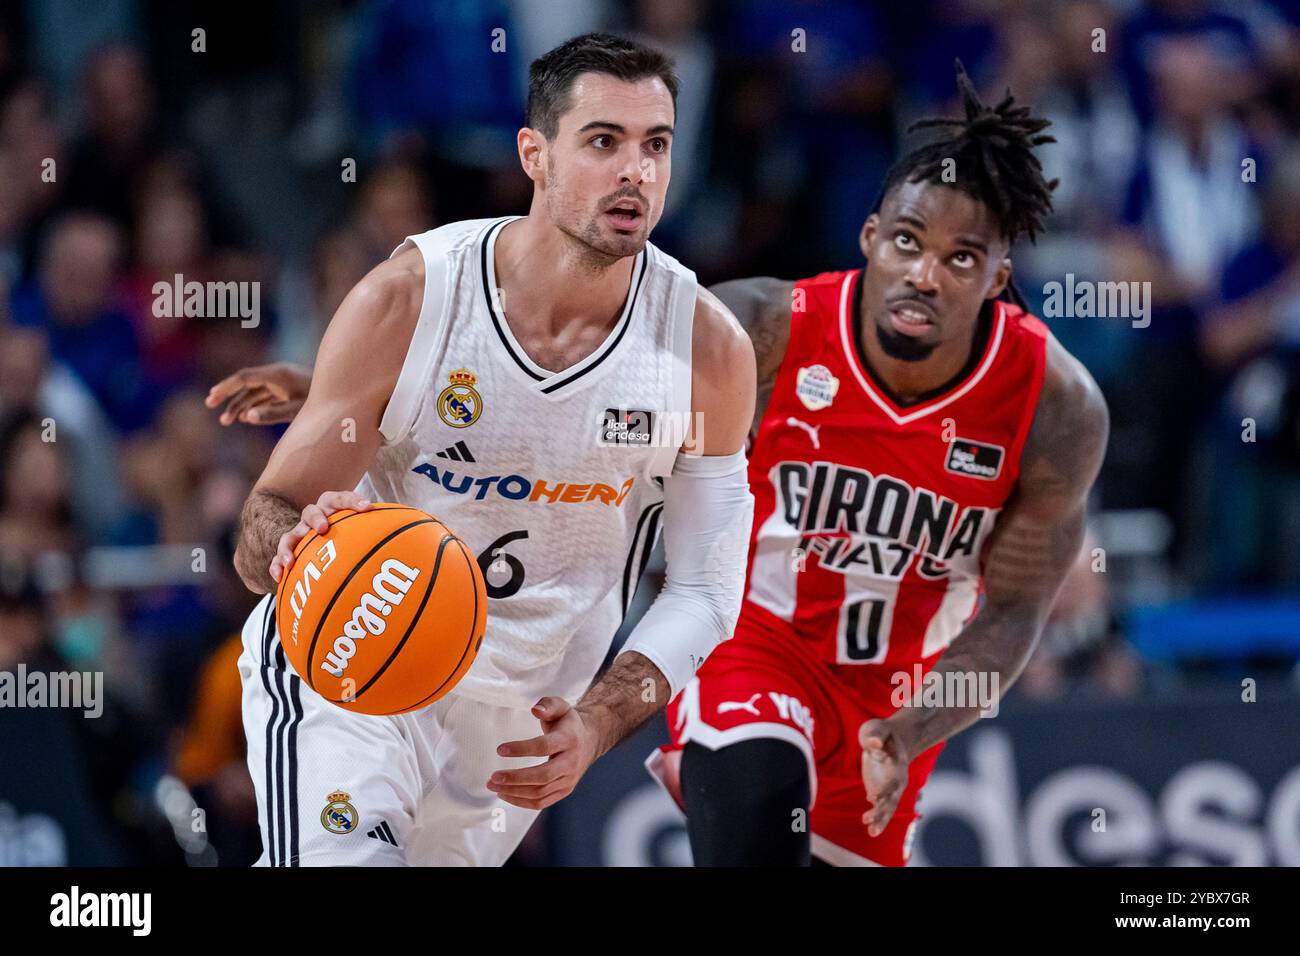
(383, 833)
(456, 452)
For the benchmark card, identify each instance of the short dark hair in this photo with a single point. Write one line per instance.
(551, 75)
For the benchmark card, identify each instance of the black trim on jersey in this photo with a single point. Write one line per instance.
(268, 625)
(280, 808)
(559, 379)
(281, 748)
(487, 294)
(651, 537)
(979, 346)
(295, 693)
(631, 308)
(649, 517)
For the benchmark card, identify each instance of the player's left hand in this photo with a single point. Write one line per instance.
(884, 772)
(569, 743)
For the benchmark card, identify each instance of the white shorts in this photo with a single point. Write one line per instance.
(336, 788)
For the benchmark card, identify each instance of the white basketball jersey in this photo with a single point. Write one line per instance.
(551, 478)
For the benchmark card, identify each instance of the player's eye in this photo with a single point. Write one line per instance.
(963, 260)
(905, 241)
(603, 141)
(658, 145)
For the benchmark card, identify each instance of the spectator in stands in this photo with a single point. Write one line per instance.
(1189, 196)
(36, 518)
(29, 380)
(74, 300)
(1252, 340)
(30, 141)
(120, 135)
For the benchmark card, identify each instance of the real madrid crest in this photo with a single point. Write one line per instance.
(816, 386)
(339, 816)
(459, 405)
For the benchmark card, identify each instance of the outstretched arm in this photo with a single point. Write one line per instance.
(1032, 548)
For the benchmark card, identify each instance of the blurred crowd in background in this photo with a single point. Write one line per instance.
(128, 158)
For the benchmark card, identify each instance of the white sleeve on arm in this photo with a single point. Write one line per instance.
(708, 511)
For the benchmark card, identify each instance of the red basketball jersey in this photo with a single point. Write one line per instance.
(870, 518)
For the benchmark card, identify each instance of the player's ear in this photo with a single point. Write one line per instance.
(532, 154)
(868, 234)
(1000, 279)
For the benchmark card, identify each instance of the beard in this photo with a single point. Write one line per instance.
(597, 247)
(905, 348)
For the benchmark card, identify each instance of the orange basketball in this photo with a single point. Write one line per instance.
(384, 612)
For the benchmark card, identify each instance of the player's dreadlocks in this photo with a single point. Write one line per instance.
(993, 150)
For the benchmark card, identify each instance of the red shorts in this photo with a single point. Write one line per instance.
(759, 685)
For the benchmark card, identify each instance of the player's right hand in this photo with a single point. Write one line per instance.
(261, 394)
(314, 518)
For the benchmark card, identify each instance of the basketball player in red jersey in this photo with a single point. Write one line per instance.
(922, 455)
(922, 460)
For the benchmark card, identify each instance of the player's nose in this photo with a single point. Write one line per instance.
(630, 168)
(921, 274)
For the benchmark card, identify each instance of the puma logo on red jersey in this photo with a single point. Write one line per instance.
(748, 705)
(812, 430)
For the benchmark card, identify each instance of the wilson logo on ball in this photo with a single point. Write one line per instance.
(387, 589)
(387, 615)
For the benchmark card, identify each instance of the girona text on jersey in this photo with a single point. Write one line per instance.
(851, 521)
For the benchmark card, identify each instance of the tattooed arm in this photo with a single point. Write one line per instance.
(762, 306)
(1032, 547)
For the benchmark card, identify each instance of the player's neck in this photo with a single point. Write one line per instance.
(910, 382)
(547, 280)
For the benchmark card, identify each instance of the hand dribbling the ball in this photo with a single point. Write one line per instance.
(314, 518)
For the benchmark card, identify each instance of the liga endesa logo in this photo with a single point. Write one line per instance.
(519, 488)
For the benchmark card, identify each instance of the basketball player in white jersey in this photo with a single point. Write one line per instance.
(556, 390)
